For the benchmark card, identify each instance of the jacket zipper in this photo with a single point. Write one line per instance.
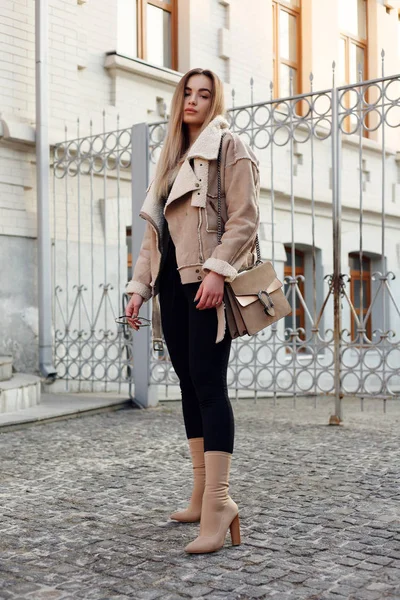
(199, 236)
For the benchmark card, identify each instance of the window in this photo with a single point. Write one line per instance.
(358, 282)
(147, 30)
(352, 56)
(286, 50)
(298, 309)
(353, 40)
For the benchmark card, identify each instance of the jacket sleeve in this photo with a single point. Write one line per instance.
(141, 278)
(242, 190)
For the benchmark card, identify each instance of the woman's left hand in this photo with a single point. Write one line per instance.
(211, 291)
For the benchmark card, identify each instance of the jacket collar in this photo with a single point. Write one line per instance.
(206, 147)
(207, 144)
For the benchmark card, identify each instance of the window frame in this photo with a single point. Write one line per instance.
(350, 39)
(277, 6)
(355, 275)
(141, 29)
(299, 308)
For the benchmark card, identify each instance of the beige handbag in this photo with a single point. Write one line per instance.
(254, 299)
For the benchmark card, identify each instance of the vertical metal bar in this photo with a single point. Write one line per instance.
(92, 317)
(54, 270)
(336, 277)
(237, 344)
(314, 259)
(361, 335)
(145, 394)
(292, 217)
(105, 284)
(274, 326)
(272, 176)
(68, 324)
(383, 261)
(252, 143)
(79, 307)
(46, 365)
(78, 179)
(118, 156)
(105, 204)
(383, 266)
(314, 333)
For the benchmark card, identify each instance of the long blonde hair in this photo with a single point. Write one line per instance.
(176, 143)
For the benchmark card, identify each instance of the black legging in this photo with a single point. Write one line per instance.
(199, 362)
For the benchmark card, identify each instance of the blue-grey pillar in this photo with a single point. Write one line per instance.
(46, 366)
(145, 393)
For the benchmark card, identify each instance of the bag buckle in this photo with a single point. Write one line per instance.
(268, 308)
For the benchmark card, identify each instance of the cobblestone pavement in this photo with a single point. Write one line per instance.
(85, 504)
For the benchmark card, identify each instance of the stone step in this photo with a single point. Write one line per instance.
(5, 367)
(19, 392)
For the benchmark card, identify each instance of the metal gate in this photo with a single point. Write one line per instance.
(92, 247)
(330, 207)
(91, 210)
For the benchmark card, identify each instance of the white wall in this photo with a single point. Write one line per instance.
(83, 83)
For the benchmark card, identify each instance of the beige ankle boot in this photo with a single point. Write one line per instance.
(193, 512)
(219, 512)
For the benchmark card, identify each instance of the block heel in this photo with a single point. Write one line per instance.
(235, 531)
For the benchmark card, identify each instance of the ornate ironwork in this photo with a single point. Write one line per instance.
(303, 142)
(91, 351)
(317, 360)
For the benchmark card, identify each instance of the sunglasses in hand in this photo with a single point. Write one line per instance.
(139, 321)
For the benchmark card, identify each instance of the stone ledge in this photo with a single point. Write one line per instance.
(20, 392)
(115, 63)
(14, 131)
(19, 380)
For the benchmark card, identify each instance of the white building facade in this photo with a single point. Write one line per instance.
(114, 64)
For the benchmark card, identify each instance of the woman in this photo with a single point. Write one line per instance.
(181, 261)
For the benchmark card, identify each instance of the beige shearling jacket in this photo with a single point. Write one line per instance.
(191, 213)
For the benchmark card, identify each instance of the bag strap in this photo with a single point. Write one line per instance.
(219, 221)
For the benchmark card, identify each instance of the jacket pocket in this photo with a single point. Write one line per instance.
(212, 213)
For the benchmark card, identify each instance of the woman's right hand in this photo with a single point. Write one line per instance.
(132, 310)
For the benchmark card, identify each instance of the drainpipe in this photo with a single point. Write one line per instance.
(46, 366)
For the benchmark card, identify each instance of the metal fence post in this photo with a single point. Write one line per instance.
(337, 418)
(145, 394)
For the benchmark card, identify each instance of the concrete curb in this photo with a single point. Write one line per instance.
(57, 407)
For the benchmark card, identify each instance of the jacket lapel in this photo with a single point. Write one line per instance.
(187, 180)
(204, 149)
